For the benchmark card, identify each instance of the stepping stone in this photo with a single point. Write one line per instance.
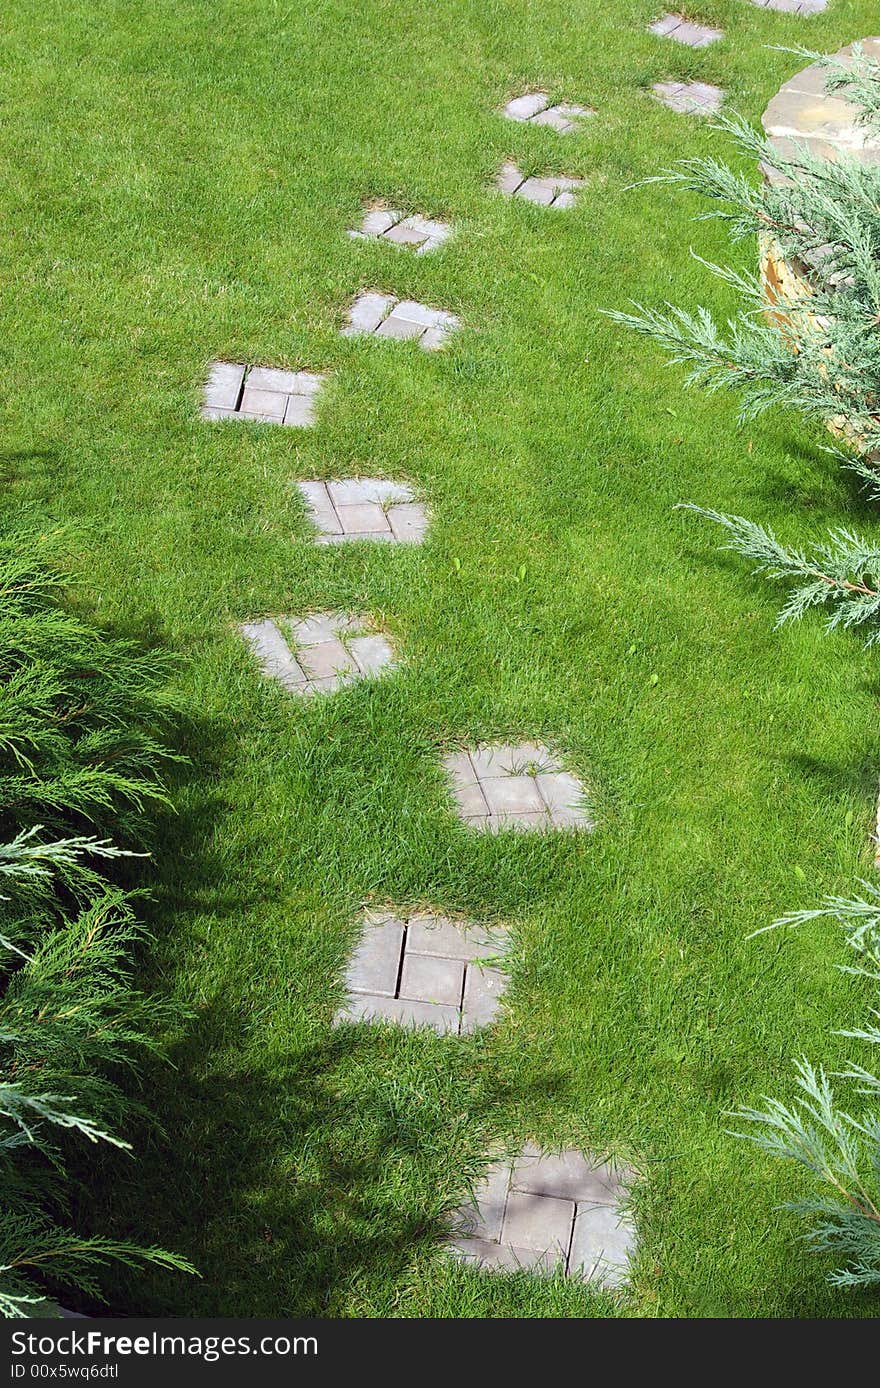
(534, 108)
(384, 224)
(544, 1212)
(801, 114)
(261, 393)
(318, 654)
(382, 315)
(521, 787)
(802, 7)
(675, 26)
(552, 190)
(423, 969)
(690, 98)
(364, 508)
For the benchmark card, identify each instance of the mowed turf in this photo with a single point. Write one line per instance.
(178, 182)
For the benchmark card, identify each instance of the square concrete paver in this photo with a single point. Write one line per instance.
(383, 315)
(521, 786)
(534, 109)
(690, 98)
(551, 190)
(422, 969)
(422, 234)
(261, 393)
(364, 508)
(675, 26)
(546, 1211)
(318, 654)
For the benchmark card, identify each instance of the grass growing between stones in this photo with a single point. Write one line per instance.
(179, 183)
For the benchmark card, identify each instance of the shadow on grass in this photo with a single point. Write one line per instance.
(312, 1188)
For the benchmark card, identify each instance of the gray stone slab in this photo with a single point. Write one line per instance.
(591, 1240)
(268, 378)
(396, 959)
(519, 822)
(510, 759)
(801, 7)
(403, 235)
(690, 98)
(300, 411)
(500, 1257)
(223, 385)
(379, 220)
(433, 339)
(429, 227)
(483, 989)
(523, 108)
(319, 626)
(362, 516)
(550, 190)
(372, 654)
(541, 1222)
(538, 190)
(416, 232)
(325, 659)
(471, 801)
(367, 312)
(509, 179)
(603, 1245)
(267, 403)
(308, 382)
(402, 329)
(273, 653)
(412, 312)
(484, 1217)
(567, 1175)
(451, 939)
(515, 786)
(565, 118)
(372, 508)
(512, 795)
(564, 796)
(375, 965)
(675, 26)
(664, 27)
(426, 978)
(364, 1007)
(408, 522)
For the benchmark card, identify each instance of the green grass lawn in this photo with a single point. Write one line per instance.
(178, 181)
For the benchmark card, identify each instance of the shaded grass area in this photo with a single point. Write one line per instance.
(178, 184)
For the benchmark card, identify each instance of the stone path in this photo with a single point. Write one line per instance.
(318, 654)
(804, 7)
(551, 190)
(424, 969)
(521, 787)
(675, 26)
(384, 224)
(535, 109)
(261, 393)
(690, 98)
(546, 1211)
(383, 315)
(364, 508)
